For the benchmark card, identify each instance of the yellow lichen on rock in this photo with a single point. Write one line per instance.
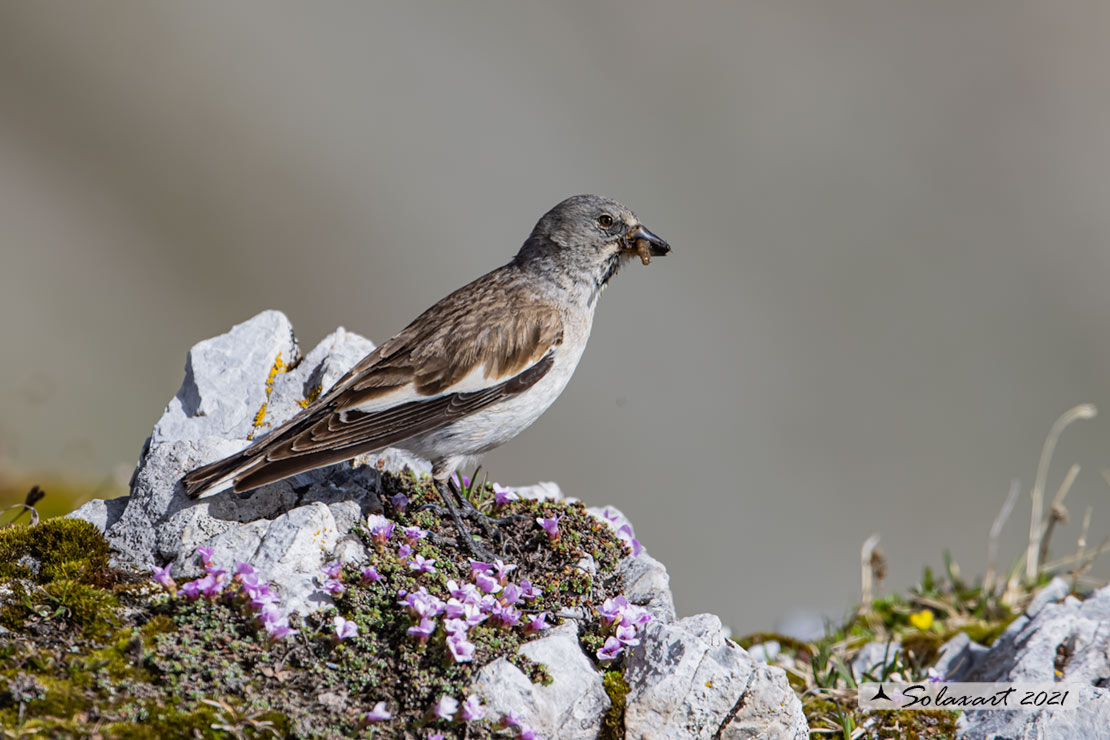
(260, 418)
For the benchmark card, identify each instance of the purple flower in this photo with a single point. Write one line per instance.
(455, 626)
(412, 534)
(403, 552)
(423, 604)
(626, 634)
(465, 480)
(635, 615)
(550, 525)
(210, 585)
(249, 581)
(626, 536)
(422, 565)
(261, 597)
(486, 583)
(445, 708)
(332, 570)
(511, 594)
(506, 615)
(275, 623)
(191, 590)
(528, 591)
(462, 650)
(344, 628)
(400, 501)
(472, 709)
(526, 733)
(935, 676)
(436, 736)
(242, 570)
(502, 570)
(423, 629)
(509, 720)
(502, 495)
(477, 566)
(537, 623)
(611, 609)
(381, 529)
(611, 649)
(468, 593)
(370, 575)
(217, 573)
(162, 575)
(378, 714)
(611, 515)
(280, 630)
(334, 586)
(205, 555)
(469, 613)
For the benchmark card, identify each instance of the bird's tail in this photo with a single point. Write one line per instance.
(266, 461)
(218, 475)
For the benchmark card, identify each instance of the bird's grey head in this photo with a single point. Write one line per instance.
(582, 242)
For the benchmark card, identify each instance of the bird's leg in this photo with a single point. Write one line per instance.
(490, 525)
(465, 537)
(470, 511)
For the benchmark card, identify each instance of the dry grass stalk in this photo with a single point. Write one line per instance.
(1083, 411)
(996, 532)
(1057, 514)
(867, 569)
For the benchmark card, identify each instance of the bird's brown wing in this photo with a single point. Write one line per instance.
(462, 355)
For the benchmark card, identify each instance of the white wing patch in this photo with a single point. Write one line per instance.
(475, 380)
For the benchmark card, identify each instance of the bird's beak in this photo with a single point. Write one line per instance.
(642, 242)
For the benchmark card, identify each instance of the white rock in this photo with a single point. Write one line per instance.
(687, 681)
(100, 512)
(569, 708)
(1071, 633)
(237, 386)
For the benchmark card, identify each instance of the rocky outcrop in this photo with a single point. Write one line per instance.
(1059, 639)
(686, 679)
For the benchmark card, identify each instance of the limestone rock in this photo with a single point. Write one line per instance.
(238, 386)
(686, 680)
(1067, 641)
(569, 708)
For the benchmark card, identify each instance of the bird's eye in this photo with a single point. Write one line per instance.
(605, 220)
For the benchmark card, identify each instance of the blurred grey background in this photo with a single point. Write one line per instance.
(890, 223)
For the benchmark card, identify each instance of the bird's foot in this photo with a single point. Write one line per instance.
(465, 537)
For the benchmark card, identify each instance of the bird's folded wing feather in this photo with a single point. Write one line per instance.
(451, 361)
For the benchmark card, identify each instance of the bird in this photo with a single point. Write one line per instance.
(468, 374)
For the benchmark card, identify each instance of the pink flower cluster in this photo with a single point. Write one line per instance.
(624, 621)
(333, 583)
(448, 708)
(245, 586)
(491, 597)
(627, 536)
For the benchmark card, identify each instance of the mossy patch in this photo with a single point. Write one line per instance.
(90, 647)
(612, 724)
(69, 549)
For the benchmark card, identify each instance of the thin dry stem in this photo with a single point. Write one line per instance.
(1057, 514)
(865, 554)
(996, 532)
(1083, 411)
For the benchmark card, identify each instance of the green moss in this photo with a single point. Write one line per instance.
(612, 724)
(70, 549)
(71, 602)
(108, 649)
